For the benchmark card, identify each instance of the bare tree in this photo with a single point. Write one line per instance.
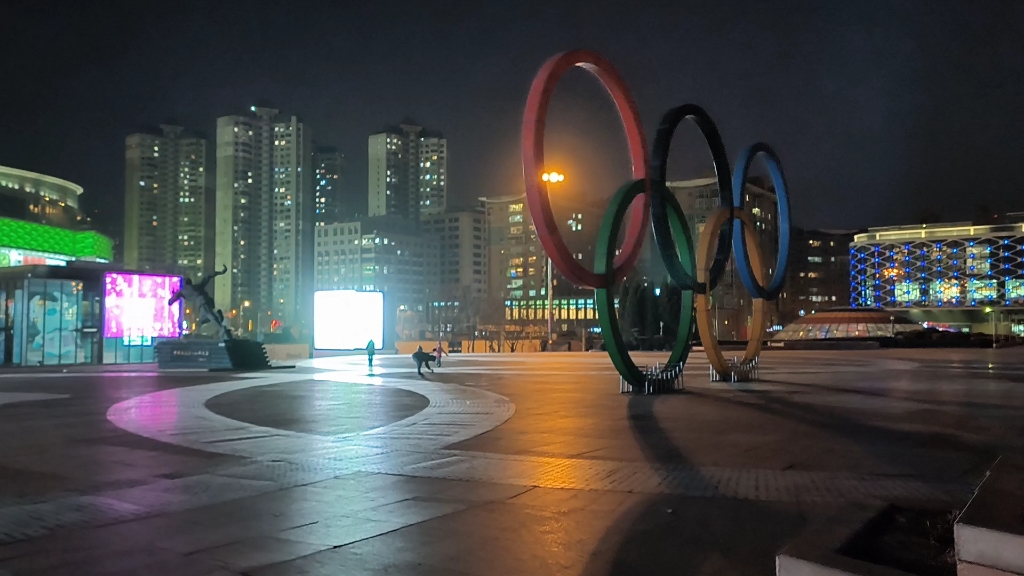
(491, 324)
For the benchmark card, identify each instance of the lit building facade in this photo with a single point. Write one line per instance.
(518, 266)
(407, 172)
(264, 216)
(330, 205)
(433, 176)
(731, 305)
(168, 204)
(818, 276)
(33, 197)
(53, 309)
(384, 254)
(946, 274)
(40, 222)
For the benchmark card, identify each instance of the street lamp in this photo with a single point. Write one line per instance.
(241, 314)
(989, 310)
(553, 178)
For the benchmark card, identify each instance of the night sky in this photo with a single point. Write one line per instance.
(882, 111)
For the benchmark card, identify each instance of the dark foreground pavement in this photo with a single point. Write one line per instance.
(515, 464)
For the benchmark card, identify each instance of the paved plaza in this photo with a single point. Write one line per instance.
(494, 464)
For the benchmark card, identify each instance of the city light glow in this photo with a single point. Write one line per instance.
(347, 319)
(135, 305)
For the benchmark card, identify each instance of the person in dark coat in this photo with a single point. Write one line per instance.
(420, 358)
(370, 351)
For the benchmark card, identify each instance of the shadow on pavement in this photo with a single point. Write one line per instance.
(892, 447)
(671, 534)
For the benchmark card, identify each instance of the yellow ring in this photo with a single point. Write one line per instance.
(705, 252)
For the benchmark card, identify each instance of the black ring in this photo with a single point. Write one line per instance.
(659, 218)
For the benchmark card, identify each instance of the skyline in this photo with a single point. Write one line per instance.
(858, 100)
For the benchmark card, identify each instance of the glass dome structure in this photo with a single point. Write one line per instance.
(847, 323)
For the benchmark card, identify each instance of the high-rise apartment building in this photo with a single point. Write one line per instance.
(265, 216)
(462, 253)
(168, 203)
(407, 172)
(330, 203)
(818, 276)
(433, 174)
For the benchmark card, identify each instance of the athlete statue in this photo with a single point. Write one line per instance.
(203, 302)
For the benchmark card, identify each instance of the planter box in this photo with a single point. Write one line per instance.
(816, 552)
(990, 532)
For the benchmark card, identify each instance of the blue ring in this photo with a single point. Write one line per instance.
(659, 216)
(739, 241)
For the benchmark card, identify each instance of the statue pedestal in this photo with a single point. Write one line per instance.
(211, 355)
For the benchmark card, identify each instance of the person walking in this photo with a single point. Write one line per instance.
(437, 353)
(371, 349)
(420, 358)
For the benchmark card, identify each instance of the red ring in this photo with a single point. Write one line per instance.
(534, 120)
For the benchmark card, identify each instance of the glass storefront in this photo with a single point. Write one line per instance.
(55, 322)
(130, 350)
(56, 316)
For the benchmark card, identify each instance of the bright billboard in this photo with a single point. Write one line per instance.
(347, 319)
(135, 305)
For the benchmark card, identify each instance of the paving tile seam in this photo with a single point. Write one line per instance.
(23, 522)
(416, 440)
(280, 459)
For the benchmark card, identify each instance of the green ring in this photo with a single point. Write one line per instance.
(603, 265)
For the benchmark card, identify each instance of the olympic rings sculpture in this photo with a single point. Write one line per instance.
(729, 230)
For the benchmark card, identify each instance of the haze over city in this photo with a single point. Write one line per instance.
(868, 102)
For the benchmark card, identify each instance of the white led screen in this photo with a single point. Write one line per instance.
(347, 320)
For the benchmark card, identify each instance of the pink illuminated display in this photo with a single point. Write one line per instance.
(136, 305)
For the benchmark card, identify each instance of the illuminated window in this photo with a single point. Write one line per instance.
(982, 290)
(1014, 289)
(944, 290)
(908, 292)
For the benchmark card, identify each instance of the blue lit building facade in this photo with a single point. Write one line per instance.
(951, 275)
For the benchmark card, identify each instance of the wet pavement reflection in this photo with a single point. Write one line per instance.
(514, 464)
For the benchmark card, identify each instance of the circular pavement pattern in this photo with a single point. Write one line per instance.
(322, 407)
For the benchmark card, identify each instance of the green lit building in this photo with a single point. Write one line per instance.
(40, 223)
(52, 275)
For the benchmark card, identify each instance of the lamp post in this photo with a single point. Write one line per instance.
(241, 314)
(551, 178)
(989, 310)
(550, 319)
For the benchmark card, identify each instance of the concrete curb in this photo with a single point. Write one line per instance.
(990, 531)
(814, 552)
